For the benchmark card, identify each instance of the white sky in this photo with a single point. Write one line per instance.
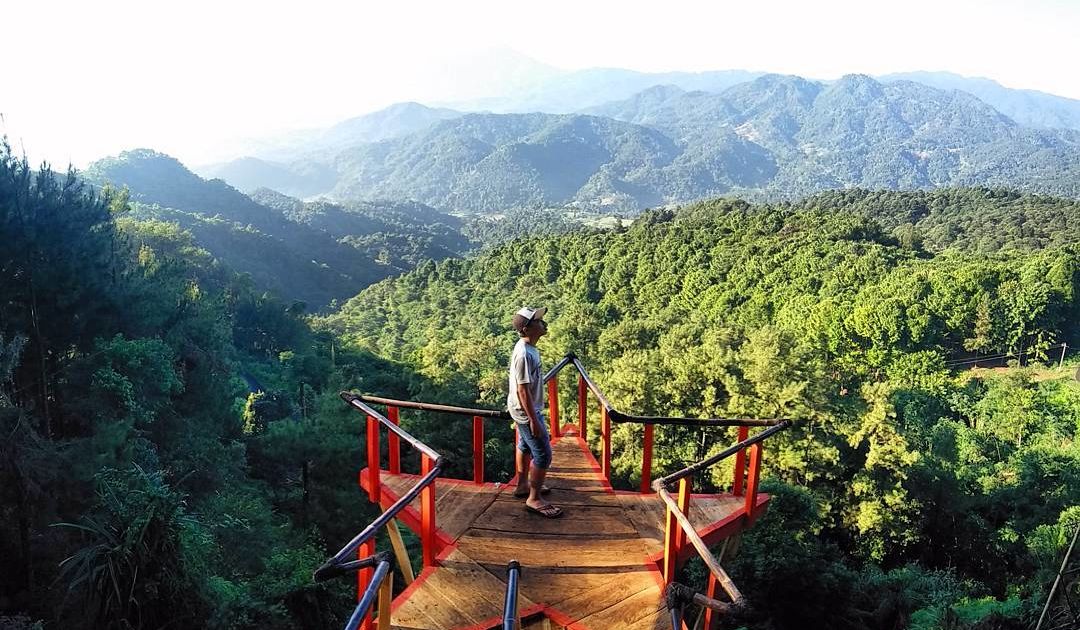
(81, 80)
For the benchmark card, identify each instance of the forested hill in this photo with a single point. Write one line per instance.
(912, 492)
(313, 252)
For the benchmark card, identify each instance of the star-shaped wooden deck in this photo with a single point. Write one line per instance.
(596, 567)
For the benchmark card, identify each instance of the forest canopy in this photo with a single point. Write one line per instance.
(175, 451)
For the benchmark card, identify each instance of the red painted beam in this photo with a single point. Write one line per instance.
(374, 487)
(582, 411)
(753, 479)
(394, 441)
(646, 459)
(605, 434)
(553, 405)
(363, 577)
(740, 464)
(478, 449)
(427, 513)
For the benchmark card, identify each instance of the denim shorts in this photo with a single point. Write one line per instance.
(538, 446)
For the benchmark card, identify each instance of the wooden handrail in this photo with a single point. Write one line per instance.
(423, 406)
(674, 511)
(724, 454)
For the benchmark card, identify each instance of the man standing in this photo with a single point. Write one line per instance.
(525, 402)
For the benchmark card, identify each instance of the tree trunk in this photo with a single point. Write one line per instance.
(43, 373)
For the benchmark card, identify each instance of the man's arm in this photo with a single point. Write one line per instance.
(525, 400)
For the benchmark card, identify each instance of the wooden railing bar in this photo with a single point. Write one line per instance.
(423, 406)
(703, 550)
(591, 385)
(357, 401)
(565, 361)
(369, 532)
(724, 454)
(360, 617)
(620, 417)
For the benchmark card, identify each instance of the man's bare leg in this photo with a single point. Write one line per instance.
(524, 466)
(536, 481)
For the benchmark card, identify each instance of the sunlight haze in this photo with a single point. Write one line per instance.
(202, 80)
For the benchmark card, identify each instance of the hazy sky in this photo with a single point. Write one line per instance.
(81, 80)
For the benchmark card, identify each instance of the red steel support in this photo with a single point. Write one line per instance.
(427, 513)
(553, 405)
(753, 479)
(605, 434)
(363, 577)
(582, 411)
(374, 486)
(646, 459)
(394, 441)
(740, 464)
(478, 450)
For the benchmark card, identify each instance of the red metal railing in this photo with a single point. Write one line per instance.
(678, 533)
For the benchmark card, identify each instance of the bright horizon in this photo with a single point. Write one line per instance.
(93, 79)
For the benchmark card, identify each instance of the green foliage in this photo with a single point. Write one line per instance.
(925, 485)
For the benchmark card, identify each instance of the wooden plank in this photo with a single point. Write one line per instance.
(580, 521)
(614, 590)
(590, 567)
(641, 610)
(563, 553)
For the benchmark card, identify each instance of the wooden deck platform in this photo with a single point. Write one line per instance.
(594, 568)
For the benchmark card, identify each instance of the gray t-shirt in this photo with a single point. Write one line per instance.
(525, 368)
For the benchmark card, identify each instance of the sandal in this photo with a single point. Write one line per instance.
(548, 511)
(521, 494)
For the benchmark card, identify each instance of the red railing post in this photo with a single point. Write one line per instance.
(605, 434)
(363, 576)
(394, 442)
(582, 411)
(740, 464)
(646, 459)
(711, 593)
(753, 479)
(553, 405)
(427, 513)
(478, 450)
(374, 486)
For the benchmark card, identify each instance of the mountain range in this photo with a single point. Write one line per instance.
(775, 136)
